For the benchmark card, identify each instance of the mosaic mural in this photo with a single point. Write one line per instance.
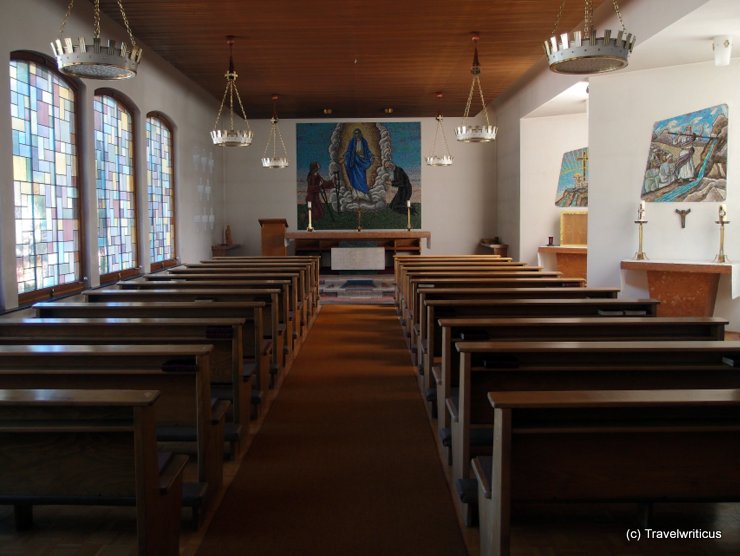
(573, 180)
(366, 171)
(687, 160)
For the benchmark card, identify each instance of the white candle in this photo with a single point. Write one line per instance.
(309, 205)
(408, 203)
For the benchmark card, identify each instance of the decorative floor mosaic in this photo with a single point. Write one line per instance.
(357, 289)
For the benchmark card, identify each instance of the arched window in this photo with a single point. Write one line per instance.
(161, 187)
(46, 178)
(115, 187)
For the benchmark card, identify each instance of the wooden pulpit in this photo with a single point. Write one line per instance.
(273, 236)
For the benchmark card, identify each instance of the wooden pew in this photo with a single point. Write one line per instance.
(90, 447)
(303, 272)
(507, 265)
(255, 347)
(429, 338)
(635, 445)
(537, 280)
(228, 378)
(314, 264)
(400, 261)
(181, 374)
(446, 375)
(411, 277)
(288, 298)
(306, 275)
(274, 328)
(295, 288)
(585, 365)
(418, 323)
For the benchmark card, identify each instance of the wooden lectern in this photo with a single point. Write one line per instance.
(273, 236)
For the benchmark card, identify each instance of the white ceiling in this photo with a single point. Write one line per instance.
(687, 41)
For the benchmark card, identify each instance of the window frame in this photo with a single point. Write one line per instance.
(61, 290)
(172, 261)
(135, 271)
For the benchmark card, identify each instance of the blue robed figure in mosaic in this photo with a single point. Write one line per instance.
(357, 159)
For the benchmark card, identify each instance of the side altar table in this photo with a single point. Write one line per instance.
(686, 289)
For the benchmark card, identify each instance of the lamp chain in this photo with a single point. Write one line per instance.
(619, 14)
(66, 16)
(557, 21)
(244, 112)
(231, 104)
(587, 15)
(220, 109)
(476, 79)
(125, 22)
(96, 20)
(447, 147)
(483, 101)
(436, 133)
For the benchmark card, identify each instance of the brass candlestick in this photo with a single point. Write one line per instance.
(359, 219)
(408, 218)
(721, 257)
(310, 223)
(640, 255)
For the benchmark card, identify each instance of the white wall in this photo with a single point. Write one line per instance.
(620, 131)
(543, 142)
(32, 25)
(458, 202)
(644, 18)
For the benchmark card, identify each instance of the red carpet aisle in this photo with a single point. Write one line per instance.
(345, 462)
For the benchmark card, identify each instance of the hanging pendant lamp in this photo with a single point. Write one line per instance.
(585, 52)
(475, 133)
(275, 161)
(231, 137)
(97, 60)
(441, 159)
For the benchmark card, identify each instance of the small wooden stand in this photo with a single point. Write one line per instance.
(273, 236)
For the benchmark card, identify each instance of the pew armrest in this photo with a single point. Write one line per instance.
(171, 472)
(452, 409)
(483, 471)
(219, 410)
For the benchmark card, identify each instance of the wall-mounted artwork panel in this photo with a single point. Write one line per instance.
(366, 171)
(573, 181)
(687, 160)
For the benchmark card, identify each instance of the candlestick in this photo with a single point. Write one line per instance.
(721, 257)
(408, 216)
(640, 255)
(359, 218)
(310, 223)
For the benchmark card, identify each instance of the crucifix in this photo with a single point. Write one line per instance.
(682, 214)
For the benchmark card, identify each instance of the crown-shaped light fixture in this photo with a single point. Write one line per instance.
(584, 52)
(441, 159)
(231, 137)
(96, 60)
(475, 133)
(275, 161)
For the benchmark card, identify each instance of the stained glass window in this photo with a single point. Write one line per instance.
(161, 190)
(45, 178)
(114, 179)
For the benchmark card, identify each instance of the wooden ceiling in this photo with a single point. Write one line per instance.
(357, 58)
